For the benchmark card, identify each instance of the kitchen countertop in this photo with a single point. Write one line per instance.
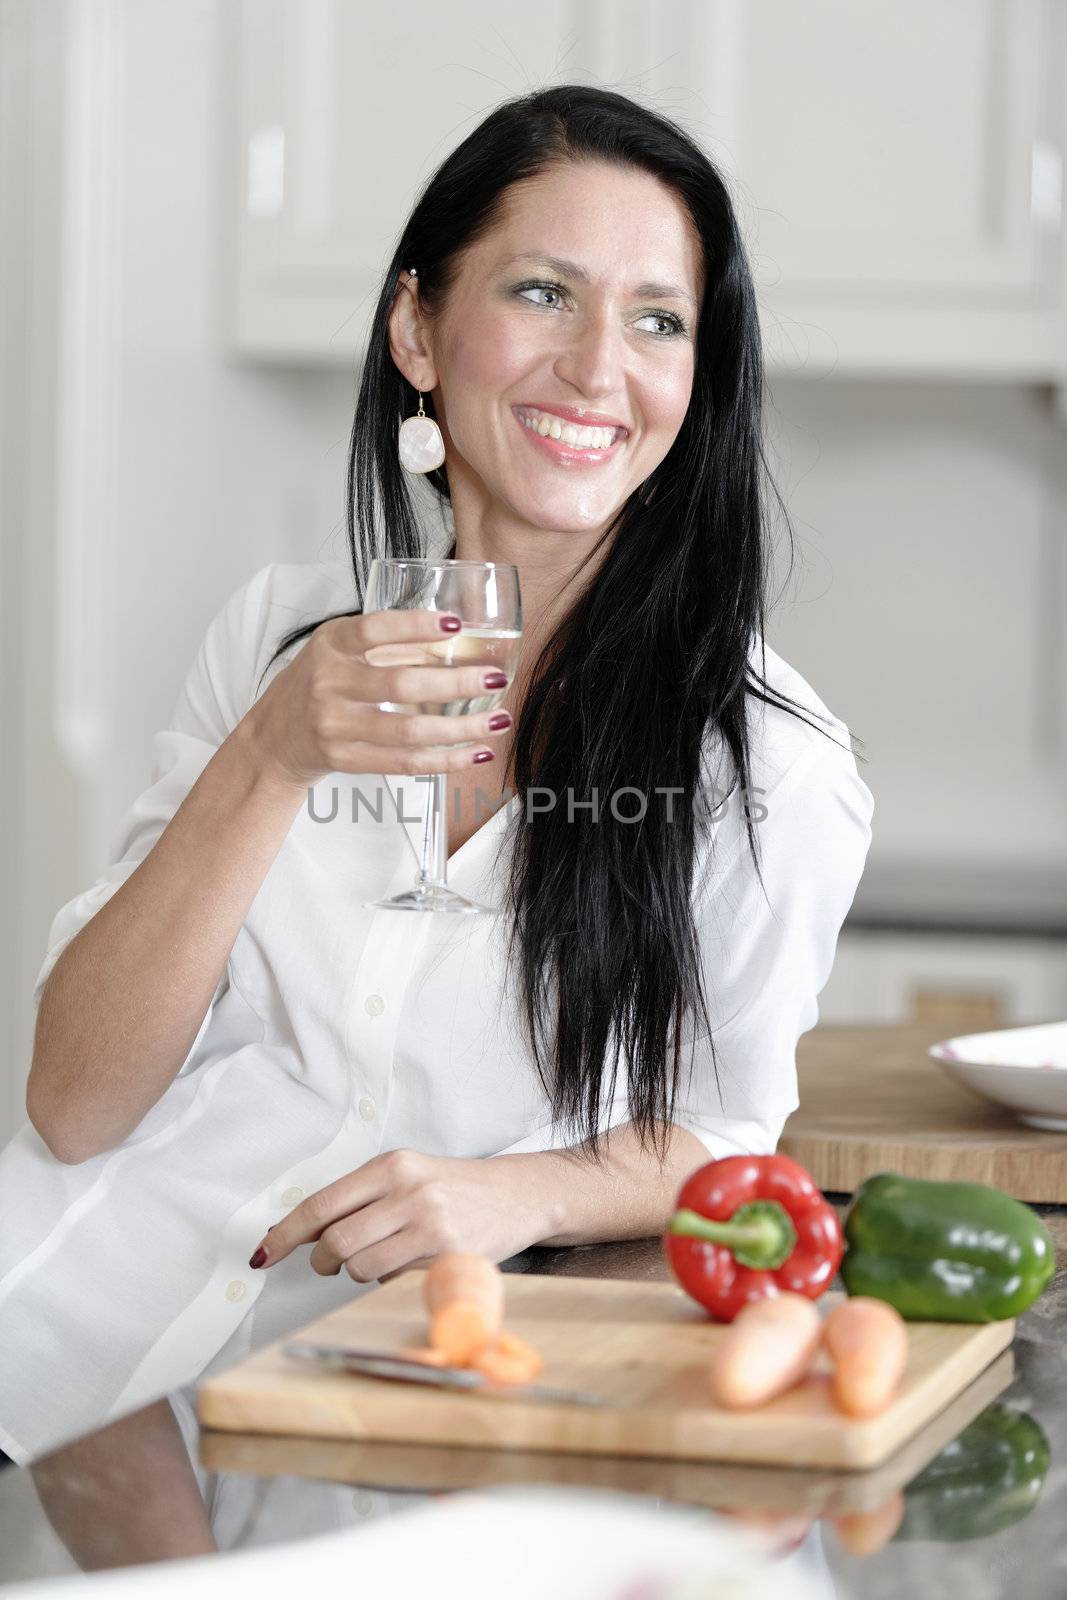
(1008, 899)
(126, 1495)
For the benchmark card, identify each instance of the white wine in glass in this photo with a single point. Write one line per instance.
(492, 647)
(485, 596)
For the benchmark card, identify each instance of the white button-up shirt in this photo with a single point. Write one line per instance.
(337, 1032)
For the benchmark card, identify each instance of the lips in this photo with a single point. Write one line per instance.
(574, 414)
(567, 454)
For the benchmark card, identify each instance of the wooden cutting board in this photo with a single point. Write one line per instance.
(645, 1346)
(872, 1100)
(712, 1485)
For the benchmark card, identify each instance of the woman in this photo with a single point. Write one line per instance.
(233, 1058)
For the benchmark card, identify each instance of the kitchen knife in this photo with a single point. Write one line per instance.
(379, 1364)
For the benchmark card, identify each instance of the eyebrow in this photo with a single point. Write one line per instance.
(571, 269)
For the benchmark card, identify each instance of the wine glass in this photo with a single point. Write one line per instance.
(485, 596)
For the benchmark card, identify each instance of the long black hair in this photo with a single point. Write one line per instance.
(650, 668)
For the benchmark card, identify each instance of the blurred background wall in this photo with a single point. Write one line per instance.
(197, 198)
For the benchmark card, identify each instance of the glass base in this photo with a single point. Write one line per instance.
(430, 897)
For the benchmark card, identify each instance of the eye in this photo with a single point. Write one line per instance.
(675, 327)
(540, 288)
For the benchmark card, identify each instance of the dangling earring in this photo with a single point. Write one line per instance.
(421, 444)
(422, 447)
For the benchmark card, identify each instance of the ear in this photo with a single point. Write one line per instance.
(410, 344)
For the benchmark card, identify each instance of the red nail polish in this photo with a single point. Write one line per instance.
(500, 719)
(494, 680)
(258, 1259)
(481, 755)
(449, 624)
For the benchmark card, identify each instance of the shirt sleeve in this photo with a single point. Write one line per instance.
(218, 689)
(720, 1138)
(767, 956)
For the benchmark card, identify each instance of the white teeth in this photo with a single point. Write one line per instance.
(553, 427)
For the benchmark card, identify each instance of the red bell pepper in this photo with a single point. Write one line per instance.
(748, 1227)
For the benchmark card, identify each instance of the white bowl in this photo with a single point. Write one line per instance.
(1024, 1069)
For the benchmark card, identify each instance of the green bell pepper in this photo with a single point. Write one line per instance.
(945, 1252)
(988, 1478)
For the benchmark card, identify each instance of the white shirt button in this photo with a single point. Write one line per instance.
(292, 1196)
(367, 1108)
(363, 1502)
(236, 1290)
(374, 1005)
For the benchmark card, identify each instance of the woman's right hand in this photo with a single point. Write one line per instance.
(320, 713)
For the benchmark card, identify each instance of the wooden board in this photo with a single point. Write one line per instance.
(872, 1100)
(711, 1485)
(645, 1346)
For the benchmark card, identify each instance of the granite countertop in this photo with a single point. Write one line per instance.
(127, 1495)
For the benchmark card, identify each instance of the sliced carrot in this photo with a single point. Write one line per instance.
(460, 1331)
(499, 1368)
(867, 1341)
(432, 1358)
(510, 1344)
(509, 1359)
(768, 1348)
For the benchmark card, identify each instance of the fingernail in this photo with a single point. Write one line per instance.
(499, 719)
(258, 1259)
(481, 755)
(449, 623)
(494, 680)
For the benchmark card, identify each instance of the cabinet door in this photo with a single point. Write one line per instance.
(972, 982)
(898, 170)
(345, 110)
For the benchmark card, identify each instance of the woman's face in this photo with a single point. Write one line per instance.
(597, 320)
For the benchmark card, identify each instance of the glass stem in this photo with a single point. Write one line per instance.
(432, 873)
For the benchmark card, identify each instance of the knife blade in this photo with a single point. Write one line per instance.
(380, 1364)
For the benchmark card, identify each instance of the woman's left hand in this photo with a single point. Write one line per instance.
(401, 1209)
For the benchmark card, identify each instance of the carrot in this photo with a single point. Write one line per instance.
(767, 1349)
(862, 1533)
(509, 1359)
(464, 1295)
(460, 1331)
(867, 1341)
(510, 1344)
(432, 1358)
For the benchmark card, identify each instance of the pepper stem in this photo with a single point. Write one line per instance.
(759, 1234)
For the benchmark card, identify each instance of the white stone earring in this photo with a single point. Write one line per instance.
(422, 447)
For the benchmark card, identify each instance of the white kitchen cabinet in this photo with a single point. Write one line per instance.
(344, 111)
(896, 169)
(884, 977)
(900, 177)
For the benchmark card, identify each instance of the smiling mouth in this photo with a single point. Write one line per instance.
(564, 441)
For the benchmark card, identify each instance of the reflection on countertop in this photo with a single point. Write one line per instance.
(976, 1502)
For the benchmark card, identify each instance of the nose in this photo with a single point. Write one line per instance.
(592, 360)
